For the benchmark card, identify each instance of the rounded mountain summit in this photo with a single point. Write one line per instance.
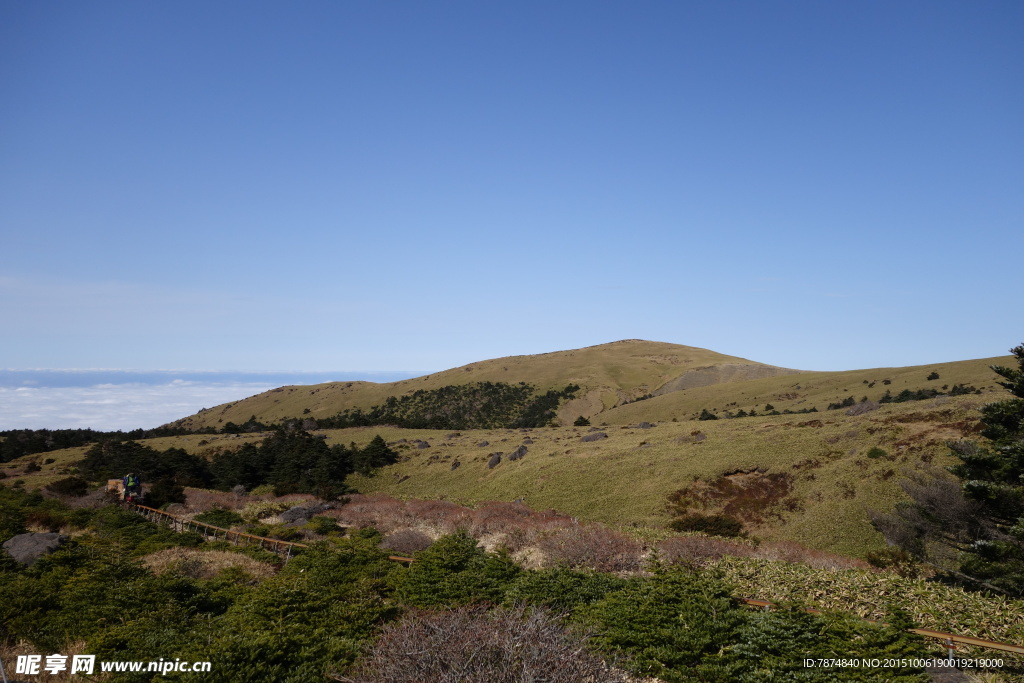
(609, 375)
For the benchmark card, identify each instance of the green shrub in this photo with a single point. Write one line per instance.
(562, 589)
(163, 492)
(581, 422)
(672, 625)
(455, 571)
(877, 452)
(255, 511)
(70, 486)
(323, 525)
(712, 525)
(221, 517)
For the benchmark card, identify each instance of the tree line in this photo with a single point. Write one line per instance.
(15, 443)
(479, 405)
(290, 460)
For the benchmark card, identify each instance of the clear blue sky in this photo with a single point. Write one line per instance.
(418, 185)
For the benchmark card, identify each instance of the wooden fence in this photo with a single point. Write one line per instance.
(949, 639)
(216, 533)
(286, 548)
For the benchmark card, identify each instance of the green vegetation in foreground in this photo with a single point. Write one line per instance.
(321, 610)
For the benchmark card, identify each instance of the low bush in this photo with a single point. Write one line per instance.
(406, 541)
(221, 517)
(323, 525)
(712, 525)
(591, 547)
(562, 589)
(258, 510)
(474, 645)
(700, 550)
(71, 486)
(455, 571)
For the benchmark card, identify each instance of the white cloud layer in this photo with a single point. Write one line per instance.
(114, 406)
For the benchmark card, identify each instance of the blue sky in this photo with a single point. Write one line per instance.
(360, 186)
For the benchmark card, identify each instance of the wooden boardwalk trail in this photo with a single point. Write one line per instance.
(949, 639)
(288, 548)
(215, 533)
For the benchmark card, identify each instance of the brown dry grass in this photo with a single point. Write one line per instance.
(700, 550)
(205, 564)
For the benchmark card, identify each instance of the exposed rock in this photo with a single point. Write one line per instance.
(483, 444)
(494, 461)
(27, 548)
(596, 436)
(528, 440)
(422, 444)
(863, 407)
(317, 508)
(296, 514)
(517, 453)
(456, 464)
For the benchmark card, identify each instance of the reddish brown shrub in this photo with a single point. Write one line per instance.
(202, 500)
(445, 516)
(700, 550)
(790, 551)
(384, 513)
(472, 645)
(496, 517)
(593, 546)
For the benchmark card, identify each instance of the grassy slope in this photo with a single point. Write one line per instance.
(623, 481)
(609, 373)
(808, 389)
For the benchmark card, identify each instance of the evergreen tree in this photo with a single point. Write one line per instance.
(981, 516)
(376, 454)
(994, 479)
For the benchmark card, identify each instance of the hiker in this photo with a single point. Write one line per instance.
(132, 486)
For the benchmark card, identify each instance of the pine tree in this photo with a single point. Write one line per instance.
(981, 515)
(994, 479)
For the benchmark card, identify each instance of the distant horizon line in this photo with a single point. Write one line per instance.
(222, 371)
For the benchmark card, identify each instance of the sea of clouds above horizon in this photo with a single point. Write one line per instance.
(125, 400)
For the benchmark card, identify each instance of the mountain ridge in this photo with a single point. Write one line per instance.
(609, 374)
(614, 378)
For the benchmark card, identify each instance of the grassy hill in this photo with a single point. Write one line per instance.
(610, 374)
(621, 382)
(827, 472)
(831, 481)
